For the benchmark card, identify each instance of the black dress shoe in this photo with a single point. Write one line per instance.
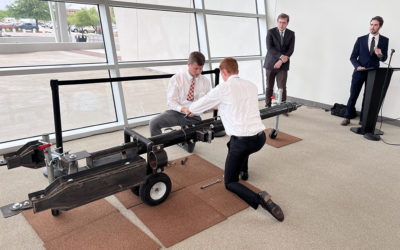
(244, 175)
(270, 206)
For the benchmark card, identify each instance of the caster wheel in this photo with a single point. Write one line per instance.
(135, 190)
(55, 212)
(156, 189)
(273, 133)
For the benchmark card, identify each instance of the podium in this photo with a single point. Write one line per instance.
(378, 81)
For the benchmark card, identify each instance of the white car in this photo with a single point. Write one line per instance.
(85, 29)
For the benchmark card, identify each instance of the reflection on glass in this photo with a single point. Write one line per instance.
(177, 3)
(250, 70)
(154, 35)
(71, 35)
(233, 36)
(26, 104)
(149, 96)
(245, 6)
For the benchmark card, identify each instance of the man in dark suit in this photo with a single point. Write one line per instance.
(280, 46)
(367, 52)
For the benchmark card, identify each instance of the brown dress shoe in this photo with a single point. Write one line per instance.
(270, 206)
(345, 122)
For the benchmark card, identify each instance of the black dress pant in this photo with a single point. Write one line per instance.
(281, 78)
(170, 118)
(357, 81)
(239, 150)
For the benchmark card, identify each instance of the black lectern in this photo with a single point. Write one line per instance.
(378, 81)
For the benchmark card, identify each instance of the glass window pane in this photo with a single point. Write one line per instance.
(250, 70)
(154, 35)
(232, 36)
(147, 97)
(26, 104)
(246, 6)
(178, 3)
(72, 36)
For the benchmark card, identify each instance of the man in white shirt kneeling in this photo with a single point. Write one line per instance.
(237, 101)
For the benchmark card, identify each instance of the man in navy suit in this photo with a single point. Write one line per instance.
(367, 52)
(280, 46)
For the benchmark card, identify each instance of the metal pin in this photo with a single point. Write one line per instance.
(184, 161)
(210, 184)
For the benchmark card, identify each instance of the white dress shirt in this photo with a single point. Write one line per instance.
(237, 101)
(179, 86)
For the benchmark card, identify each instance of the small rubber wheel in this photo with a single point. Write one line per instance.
(156, 189)
(55, 212)
(273, 133)
(135, 190)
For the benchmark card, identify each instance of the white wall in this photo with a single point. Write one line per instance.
(325, 35)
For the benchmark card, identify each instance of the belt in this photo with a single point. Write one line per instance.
(248, 137)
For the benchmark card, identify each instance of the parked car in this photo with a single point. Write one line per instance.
(27, 26)
(48, 25)
(86, 29)
(8, 25)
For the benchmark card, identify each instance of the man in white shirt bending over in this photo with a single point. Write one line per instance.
(237, 101)
(184, 88)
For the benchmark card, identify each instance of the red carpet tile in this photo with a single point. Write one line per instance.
(97, 225)
(194, 170)
(113, 231)
(128, 199)
(182, 215)
(49, 227)
(218, 197)
(282, 139)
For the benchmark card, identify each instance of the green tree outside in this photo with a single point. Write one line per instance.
(84, 18)
(35, 9)
(3, 14)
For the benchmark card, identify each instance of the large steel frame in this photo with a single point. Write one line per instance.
(110, 170)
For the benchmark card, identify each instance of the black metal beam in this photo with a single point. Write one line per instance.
(187, 134)
(56, 98)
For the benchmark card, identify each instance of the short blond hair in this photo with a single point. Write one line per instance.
(230, 65)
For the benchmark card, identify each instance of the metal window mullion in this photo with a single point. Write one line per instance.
(202, 33)
(112, 60)
(238, 58)
(262, 31)
(161, 7)
(31, 70)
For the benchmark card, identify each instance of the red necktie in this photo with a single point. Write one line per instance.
(190, 96)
